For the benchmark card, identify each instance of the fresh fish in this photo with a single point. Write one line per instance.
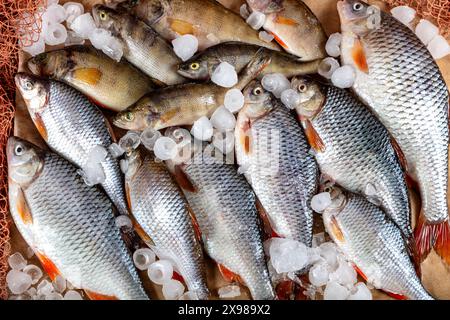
(207, 20)
(68, 224)
(273, 152)
(294, 26)
(72, 127)
(142, 46)
(112, 85)
(201, 66)
(374, 244)
(353, 148)
(225, 209)
(233, 5)
(183, 104)
(398, 79)
(161, 211)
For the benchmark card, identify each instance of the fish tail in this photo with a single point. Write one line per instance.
(424, 237)
(433, 236)
(442, 240)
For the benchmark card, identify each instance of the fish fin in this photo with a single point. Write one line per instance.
(442, 240)
(183, 180)
(197, 231)
(181, 27)
(359, 271)
(267, 227)
(177, 276)
(284, 290)
(98, 296)
(128, 195)
(229, 275)
(396, 296)
(90, 76)
(48, 265)
(313, 137)
(286, 21)
(141, 232)
(359, 57)
(336, 230)
(279, 40)
(40, 126)
(423, 234)
(22, 208)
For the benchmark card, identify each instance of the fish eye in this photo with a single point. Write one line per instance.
(302, 88)
(103, 15)
(134, 2)
(357, 6)
(129, 116)
(195, 66)
(28, 85)
(257, 91)
(327, 189)
(18, 150)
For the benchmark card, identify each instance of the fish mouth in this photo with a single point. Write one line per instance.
(185, 74)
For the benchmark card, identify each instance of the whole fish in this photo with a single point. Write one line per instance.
(273, 152)
(161, 211)
(353, 148)
(225, 209)
(233, 5)
(398, 79)
(201, 66)
(183, 104)
(294, 26)
(112, 85)
(374, 244)
(142, 46)
(69, 225)
(72, 127)
(207, 20)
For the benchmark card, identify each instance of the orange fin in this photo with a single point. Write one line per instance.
(358, 270)
(268, 230)
(22, 208)
(442, 240)
(177, 276)
(181, 27)
(359, 57)
(286, 21)
(48, 265)
(90, 76)
(396, 296)
(313, 137)
(424, 236)
(195, 224)
(336, 230)
(279, 41)
(183, 180)
(228, 274)
(98, 296)
(40, 126)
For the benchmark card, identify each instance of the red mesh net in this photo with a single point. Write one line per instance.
(16, 27)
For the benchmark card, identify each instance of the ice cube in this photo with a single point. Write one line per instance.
(333, 46)
(35, 48)
(334, 291)
(426, 31)
(45, 287)
(172, 289)
(329, 254)
(290, 98)
(370, 190)
(360, 292)
(130, 141)
(243, 11)
(18, 297)
(189, 295)
(165, 148)
(18, 282)
(149, 137)
(202, 129)
(224, 141)
(50, 2)
(327, 67)
(97, 154)
(123, 165)
(59, 284)
(234, 100)
(34, 272)
(143, 258)
(73, 10)
(344, 274)
(343, 77)
(275, 83)
(224, 75)
(318, 274)
(17, 261)
(83, 25)
(320, 202)
(30, 252)
(160, 271)
(287, 255)
(265, 36)
(54, 296)
(73, 39)
(314, 256)
(92, 174)
(318, 239)
(32, 292)
(72, 295)
(185, 46)
(100, 37)
(439, 47)
(404, 14)
(231, 291)
(54, 14)
(123, 221)
(115, 150)
(113, 49)
(223, 120)
(256, 20)
(55, 34)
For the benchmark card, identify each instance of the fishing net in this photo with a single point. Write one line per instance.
(19, 24)
(437, 10)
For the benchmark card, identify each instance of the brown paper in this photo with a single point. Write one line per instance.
(435, 274)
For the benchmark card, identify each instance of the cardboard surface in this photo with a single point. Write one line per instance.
(435, 274)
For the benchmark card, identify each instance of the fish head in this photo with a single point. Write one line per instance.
(25, 161)
(265, 6)
(138, 117)
(196, 68)
(311, 96)
(49, 64)
(134, 163)
(107, 18)
(338, 198)
(257, 100)
(356, 16)
(34, 90)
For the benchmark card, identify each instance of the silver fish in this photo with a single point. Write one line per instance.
(398, 79)
(273, 152)
(373, 244)
(69, 225)
(160, 209)
(72, 126)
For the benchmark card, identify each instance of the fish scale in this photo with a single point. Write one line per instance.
(161, 210)
(225, 209)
